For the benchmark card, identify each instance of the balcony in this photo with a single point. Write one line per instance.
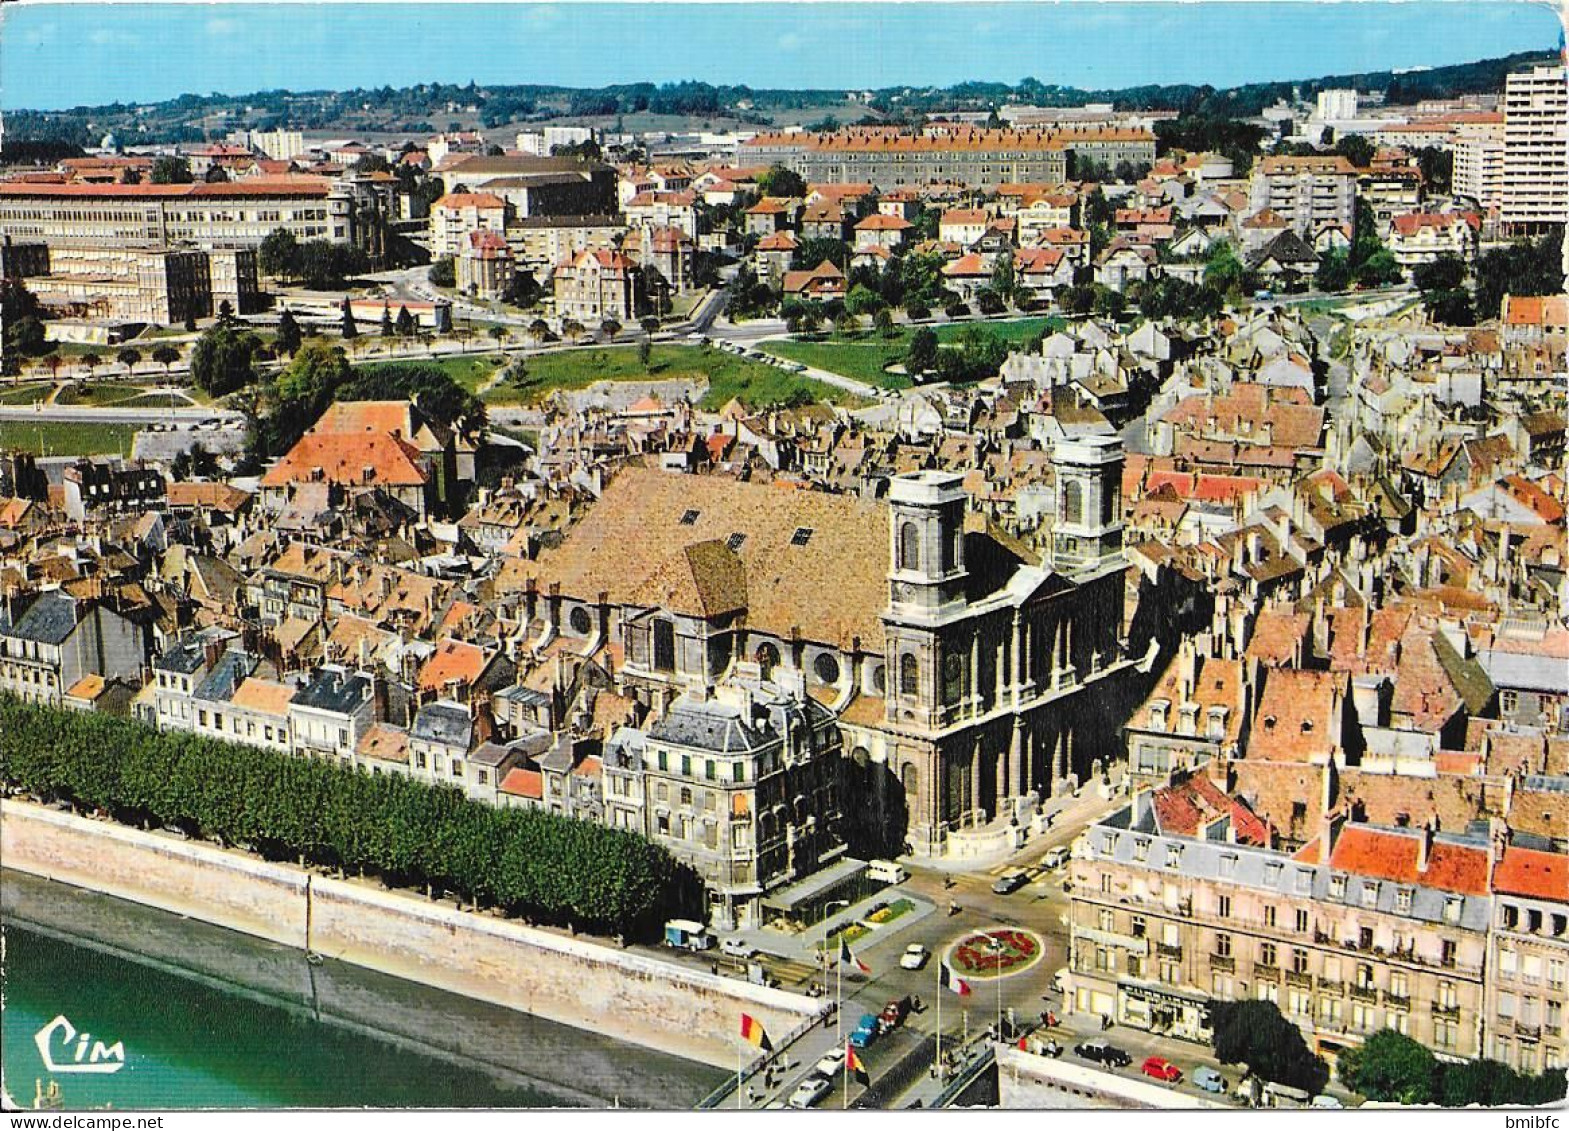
(1442, 1010)
(1169, 950)
(1262, 973)
(1329, 987)
(1528, 1032)
(1225, 963)
(1299, 978)
(1365, 993)
(1397, 1001)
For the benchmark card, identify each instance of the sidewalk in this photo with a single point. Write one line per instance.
(802, 947)
(1063, 826)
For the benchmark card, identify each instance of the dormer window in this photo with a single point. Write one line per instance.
(734, 541)
(1187, 718)
(1217, 723)
(1337, 887)
(1159, 710)
(689, 518)
(1370, 894)
(802, 535)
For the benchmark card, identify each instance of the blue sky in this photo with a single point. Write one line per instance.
(55, 55)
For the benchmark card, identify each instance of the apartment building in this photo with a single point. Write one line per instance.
(1536, 148)
(457, 214)
(49, 643)
(886, 158)
(1526, 989)
(1306, 191)
(1479, 160)
(742, 786)
(1423, 237)
(595, 285)
(1187, 897)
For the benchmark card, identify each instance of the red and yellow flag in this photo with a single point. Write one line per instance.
(854, 1064)
(752, 1030)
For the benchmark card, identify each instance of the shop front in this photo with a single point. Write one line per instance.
(1164, 1012)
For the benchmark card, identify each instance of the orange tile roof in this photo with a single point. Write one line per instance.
(369, 459)
(253, 186)
(88, 687)
(1531, 872)
(453, 660)
(1395, 855)
(263, 696)
(1536, 310)
(524, 783)
(384, 743)
(389, 417)
(456, 200)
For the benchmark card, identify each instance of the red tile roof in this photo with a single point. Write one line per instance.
(1395, 855)
(1530, 872)
(524, 783)
(371, 459)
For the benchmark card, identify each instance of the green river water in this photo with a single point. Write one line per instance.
(213, 1019)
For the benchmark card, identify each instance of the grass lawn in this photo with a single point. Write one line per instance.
(100, 394)
(863, 355)
(754, 382)
(66, 438)
(31, 393)
(468, 370)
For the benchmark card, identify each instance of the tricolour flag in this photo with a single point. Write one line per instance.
(855, 1065)
(847, 956)
(752, 1030)
(952, 981)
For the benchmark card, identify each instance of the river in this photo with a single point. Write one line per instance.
(209, 1018)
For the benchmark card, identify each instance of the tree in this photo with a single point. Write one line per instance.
(1356, 149)
(1452, 307)
(1379, 269)
(1222, 269)
(922, 354)
(810, 253)
(1004, 278)
(571, 329)
(166, 356)
(23, 329)
(988, 301)
(52, 362)
(129, 357)
(289, 336)
(779, 181)
(882, 322)
(90, 362)
(523, 291)
(917, 312)
(1334, 270)
(1443, 274)
(539, 330)
(1389, 1067)
(1256, 1034)
(171, 171)
(387, 328)
(405, 324)
(846, 324)
(497, 333)
(190, 320)
(223, 360)
(226, 313)
(444, 272)
(649, 323)
(609, 328)
(278, 254)
(862, 300)
(645, 351)
(350, 330)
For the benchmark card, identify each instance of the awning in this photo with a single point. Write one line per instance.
(818, 883)
(1162, 997)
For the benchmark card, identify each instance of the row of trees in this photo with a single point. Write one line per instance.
(1391, 1067)
(527, 862)
(321, 265)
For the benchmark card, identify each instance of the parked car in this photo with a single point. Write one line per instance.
(1159, 1068)
(1206, 1079)
(1326, 1102)
(886, 872)
(831, 1063)
(914, 957)
(737, 948)
(866, 1031)
(894, 1013)
(1102, 1053)
(809, 1092)
(1056, 858)
(1010, 882)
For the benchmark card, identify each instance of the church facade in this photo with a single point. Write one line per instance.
(964, 673)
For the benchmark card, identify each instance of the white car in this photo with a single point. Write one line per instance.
(810, 1091)
(913, 958)
(1056, 858)
(831, 1063)
(1326, 1102)
(737, 948)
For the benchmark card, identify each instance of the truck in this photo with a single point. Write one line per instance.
(687, 934)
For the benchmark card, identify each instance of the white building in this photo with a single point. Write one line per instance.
(1536, 147)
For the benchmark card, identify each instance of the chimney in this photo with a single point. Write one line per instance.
(1425, 847)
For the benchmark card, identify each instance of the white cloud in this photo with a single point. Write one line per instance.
(220, 25)
(789, 41)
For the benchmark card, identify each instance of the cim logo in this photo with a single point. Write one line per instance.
(79, 1056)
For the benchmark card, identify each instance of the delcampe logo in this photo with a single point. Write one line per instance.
(80, 1057)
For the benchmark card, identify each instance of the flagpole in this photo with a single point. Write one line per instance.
(940, 988)
(739, 1098)
(844, 1096)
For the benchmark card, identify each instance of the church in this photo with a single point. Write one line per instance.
(965, 674)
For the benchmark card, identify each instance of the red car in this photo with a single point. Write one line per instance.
(1162, 1069)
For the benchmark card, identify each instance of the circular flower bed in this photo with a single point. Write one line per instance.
(995, 953)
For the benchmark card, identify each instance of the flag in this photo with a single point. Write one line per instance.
(847, 956)
(752, 1030)
(952, 981)
(855, 1065)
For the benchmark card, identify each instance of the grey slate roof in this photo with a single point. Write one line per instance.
(446, 723)
(227, 674)
(335, 690)
(50, 619)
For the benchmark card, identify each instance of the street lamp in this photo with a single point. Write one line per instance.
(995, 946)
